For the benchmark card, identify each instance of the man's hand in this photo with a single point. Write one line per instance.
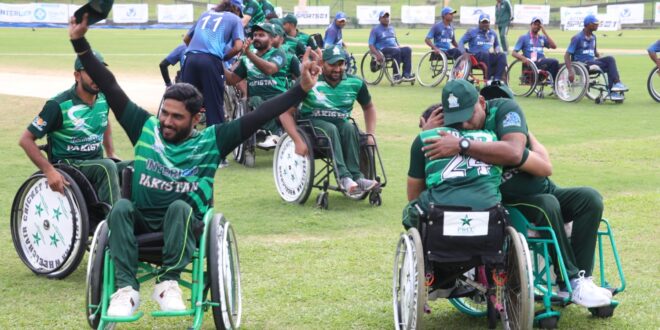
(78, 30)
(301, 148)
(310, 70)
(246, 46)
(55, 180)
(571, 74)
(436, 50)
(379, 58)
(436, 119)
(444, 146)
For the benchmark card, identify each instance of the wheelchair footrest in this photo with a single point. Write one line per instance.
(118, 319)
(173, 313)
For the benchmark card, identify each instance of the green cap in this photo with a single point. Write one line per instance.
(78, 65)
(333, 55)
(266, 27)
(97, 10)
(276, 21)
(458, 100)
(291, 18)
(279, 30)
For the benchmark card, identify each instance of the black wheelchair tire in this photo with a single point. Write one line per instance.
(95, 264)
(224, 317)
(512, 81)
(655, 94)
(365, 66)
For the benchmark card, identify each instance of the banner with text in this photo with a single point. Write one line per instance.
(130, 13)
(175, 13)
(368, 15)
(523, 14)
(628, 14)
(607, 23)
(418, 14)
(576, 13)
(470, 15)
(35, 13)
(312, 15)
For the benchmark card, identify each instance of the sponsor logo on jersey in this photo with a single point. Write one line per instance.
(39, 123)
(512, 119)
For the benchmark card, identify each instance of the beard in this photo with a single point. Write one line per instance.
(178, 136)
(259, 45)
(88, 88)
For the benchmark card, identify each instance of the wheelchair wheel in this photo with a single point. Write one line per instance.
(244, 153)
(370, 70)
(225, 275)
(432, 68)
(571, 91)
(367, 167)
(522, 78)
(49, 230)
(390, 64)
(597, 87)
(461, 69)
(229, 103)
(95, 263)
(653, 84)
(408, 288)
(293, 174)
(518, 292)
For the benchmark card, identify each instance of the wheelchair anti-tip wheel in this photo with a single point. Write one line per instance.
(244, 153)
(49, 230)
(522, 77)
(293, 174)
(408, 288)
(653, 84)
(518, 291)
(95, 264)
(432, 69)
(571, 91)
(370, 69)
(224, 274)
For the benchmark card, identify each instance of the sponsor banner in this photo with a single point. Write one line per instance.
(575, 13)
(312, 15)
(175, 13)
(607, 23)
(368, 15)
(523, 14)
(51, 13)
(16, 13)
(470, 15)
(657, 12)
(418, 14)
(130, 13)
(628, 14)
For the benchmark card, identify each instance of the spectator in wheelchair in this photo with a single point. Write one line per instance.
(480, 40)
(333, 33)
(653, 51)
(78, 130)
(532, 45)
(382, 41)
(174, 173)
(265, 70)
(176, 56)
(583, 49)
(441, 35)
(329, 107)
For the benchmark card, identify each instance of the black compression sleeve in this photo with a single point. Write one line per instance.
(270, 109)
(164, 72)
(117, 99)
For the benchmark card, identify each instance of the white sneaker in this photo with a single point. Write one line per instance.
(348, 185)
(124, 302)
(607, 293)
(269, 142)
(168, 295)
(585, 293)
(366, 184)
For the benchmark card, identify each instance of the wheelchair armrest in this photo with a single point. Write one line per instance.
(126, 182)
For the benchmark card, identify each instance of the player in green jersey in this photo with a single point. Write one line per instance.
(329, 106)
(174, 174)
(268, 9)
(289, 43)
(292, 64)
(252, 15)
(78, 130)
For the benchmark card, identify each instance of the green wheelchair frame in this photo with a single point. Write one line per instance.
(544, 281)
(222, 278)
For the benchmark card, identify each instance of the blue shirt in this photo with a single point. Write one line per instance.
(177, 55)
(213, 31)
(581, 48)
(529, 45)
(479, 41)
(655, 47)
(382, 37)
(333, 36)
(442, 35)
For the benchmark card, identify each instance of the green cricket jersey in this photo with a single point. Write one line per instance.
(252, 8)
(260, 84)
(293, 45)
(324, 100)
(459, 180)
(75, 129)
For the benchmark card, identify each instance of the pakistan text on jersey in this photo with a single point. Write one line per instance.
(175, 186)
(263, 82)
(94, 138)
(84, 147)
(329, 113)
(171, 172)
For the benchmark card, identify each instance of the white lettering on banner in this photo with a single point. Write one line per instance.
(368, 15)
(657, 12)
(418, 14)
(569, 13)
(470, 15)
(523, 14)
(628, 14)
(16, 13)
(312, 15)
(607, 23)
(130, 13)
(175, 13)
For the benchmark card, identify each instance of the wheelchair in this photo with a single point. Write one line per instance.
(526, 79)
(653, 84)
(464, 68)
(372, 70)
(545, 283)
(295, 175)
(590, 81)
(491, 273)
(433, 68)
(217, 244)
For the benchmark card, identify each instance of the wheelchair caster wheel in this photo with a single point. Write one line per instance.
(549, 322)
(599, 100)
(322, 200)
(375, 199)
(603, 312)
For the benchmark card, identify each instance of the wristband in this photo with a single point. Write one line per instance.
(525, 155)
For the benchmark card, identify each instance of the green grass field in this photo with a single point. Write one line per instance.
(304, 268)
